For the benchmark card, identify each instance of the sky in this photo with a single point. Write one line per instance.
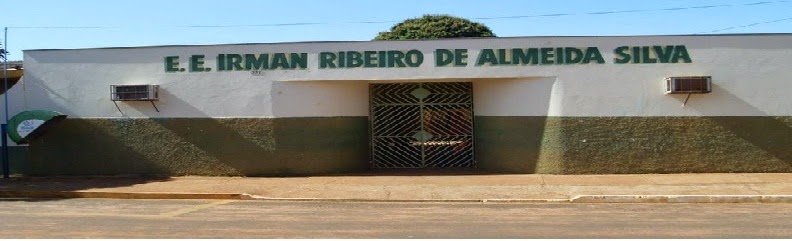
(58, 24)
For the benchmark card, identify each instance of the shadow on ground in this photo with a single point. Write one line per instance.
(34, 188)
(418, 172)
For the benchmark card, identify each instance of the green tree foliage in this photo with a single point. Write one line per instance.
(435, 26)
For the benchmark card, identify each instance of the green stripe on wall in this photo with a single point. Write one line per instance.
(325, 145)
(577, 145)
(202, 146)
(17, 156)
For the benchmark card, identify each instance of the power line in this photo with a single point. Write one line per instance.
(747, 25)
(634, 10)
(249, 25)
(58, 27)
(396, 21)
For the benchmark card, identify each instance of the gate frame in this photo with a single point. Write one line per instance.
(474, 163)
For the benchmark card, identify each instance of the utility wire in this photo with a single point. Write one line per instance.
(745, 26)
(636, 10)
(249, 25)
(57, 27)
(475, 18)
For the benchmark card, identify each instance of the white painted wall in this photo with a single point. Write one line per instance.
(751, 77)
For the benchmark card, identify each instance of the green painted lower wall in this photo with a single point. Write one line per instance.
(578, 145)
(192, 146)
(306, 146)
(17, 156)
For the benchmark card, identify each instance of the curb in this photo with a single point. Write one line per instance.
(118, 195)
(682, 199)
(262, 198)
(576, 199)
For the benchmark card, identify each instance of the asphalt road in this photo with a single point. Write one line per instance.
(116, 218)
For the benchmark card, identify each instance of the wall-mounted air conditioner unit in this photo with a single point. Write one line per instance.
(688, 84)
(148, 93)
(134, 92)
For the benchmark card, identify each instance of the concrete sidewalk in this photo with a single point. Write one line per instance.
(696, 188)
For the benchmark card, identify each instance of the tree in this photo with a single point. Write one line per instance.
(435, 26)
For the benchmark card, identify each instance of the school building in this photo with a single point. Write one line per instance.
(557, 105)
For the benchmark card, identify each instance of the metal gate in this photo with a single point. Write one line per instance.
(421, 125)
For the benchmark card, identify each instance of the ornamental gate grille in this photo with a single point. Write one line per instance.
(421, 125)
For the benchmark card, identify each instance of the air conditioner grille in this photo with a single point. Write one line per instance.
(134, 92)
(689, 84)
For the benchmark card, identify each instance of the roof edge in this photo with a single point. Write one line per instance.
(422, 40)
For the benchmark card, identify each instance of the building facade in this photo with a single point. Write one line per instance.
(562, 105)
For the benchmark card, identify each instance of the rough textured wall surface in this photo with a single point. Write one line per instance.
(17, 156)
(577, 145)
(233, 146)
(324, 145)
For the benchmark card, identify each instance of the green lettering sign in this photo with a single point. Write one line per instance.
(460, 57)
(622, 56)
(573, 55)
(525, 56)
(253, 62)
(196, 63)
(370, 59)
(663, 53)
(234, 62)
(396, 59)
(354, 59)
(654, 54)
(681, 53)
(546, 55)
(593, 54)
(327, 60)
(414, 58)
(651, 54)
(443, 57)
(171, 63)
(487, 57)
